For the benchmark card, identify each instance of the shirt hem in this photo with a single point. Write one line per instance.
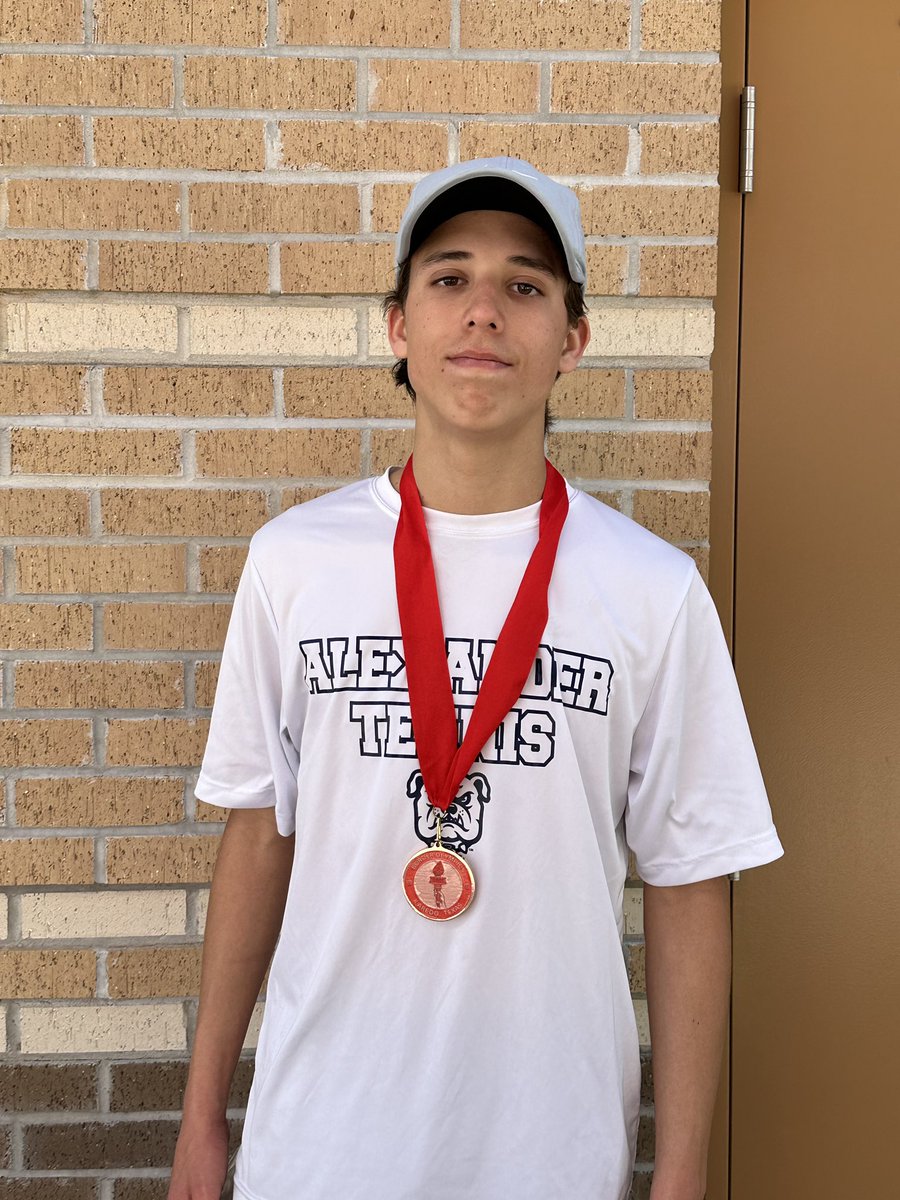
(755, 852)
(211, 792)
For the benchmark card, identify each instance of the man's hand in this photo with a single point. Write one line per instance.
(201, 1159)
(688, 935)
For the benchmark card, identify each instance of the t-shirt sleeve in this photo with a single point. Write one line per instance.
(250, 760)
(697, 805)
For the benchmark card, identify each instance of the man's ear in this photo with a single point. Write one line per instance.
(576, 343)
(396, 330)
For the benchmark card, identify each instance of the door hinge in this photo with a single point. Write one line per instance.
(748, 130)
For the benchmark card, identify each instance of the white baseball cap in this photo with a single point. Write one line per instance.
(504, 184)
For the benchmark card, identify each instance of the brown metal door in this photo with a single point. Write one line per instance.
(816, 1016)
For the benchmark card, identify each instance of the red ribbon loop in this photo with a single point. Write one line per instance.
(443, 761)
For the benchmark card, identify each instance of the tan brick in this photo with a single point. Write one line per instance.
(377, 23)
(633, 910)
(635, 965)
(673, 395)
(379, 346)
(292, 496)
(545, 24)
(183, 512)
(343, 392)
(164, 859)
(183, 267)
(34, 862)
(211, 812)
(45, 626)
(134, 626)
(91, 329)
(607, 496)
(348, 268)
(189, 391)
(147, 973)
(90, 684)
(102, 1028)
(156, 742)
(40, 388)
(679, 149)
(675, 516)
(641, 331)
(207, 676)
(103, 914)
(201, 143)
(700, 555)
(274, 208)
(273, 330)
(43, 512)
(220, 570)
(230, 81)
(613, 455)
(41, 141)
(279, 453)
(95, 451)
(47, 974)
(680, 24)
(29, 263)
(362, 145)
(678, 271)
(675, 211)
(555, 149)
(135, 204)
(174, 22)
(57, 570)
(108, 80)
(657, 87)
(606, 268)
(98, 801)
(388, 202)
(40, 743)
(390, 448)
(456, 86)
(35, 21)
(587, 394)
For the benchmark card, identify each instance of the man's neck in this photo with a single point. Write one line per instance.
(475, 478)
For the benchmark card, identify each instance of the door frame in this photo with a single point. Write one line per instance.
(725, 365)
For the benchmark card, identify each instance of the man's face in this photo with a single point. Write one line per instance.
(484, 330)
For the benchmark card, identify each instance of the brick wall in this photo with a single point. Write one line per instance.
(197, 206)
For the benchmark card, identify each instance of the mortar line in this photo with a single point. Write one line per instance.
(178, 105)
(455, 22)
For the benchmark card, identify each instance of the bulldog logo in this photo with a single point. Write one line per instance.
(461, 824)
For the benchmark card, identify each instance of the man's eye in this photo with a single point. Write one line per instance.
(447, 280)
(526, 289)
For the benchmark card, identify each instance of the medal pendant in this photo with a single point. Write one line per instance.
(438, 883)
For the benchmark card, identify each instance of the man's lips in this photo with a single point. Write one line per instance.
(482, 359)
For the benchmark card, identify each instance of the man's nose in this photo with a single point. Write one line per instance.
(484, 308)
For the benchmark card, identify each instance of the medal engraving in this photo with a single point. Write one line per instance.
(438, 883)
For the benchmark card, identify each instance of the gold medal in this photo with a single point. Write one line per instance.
(438, 883)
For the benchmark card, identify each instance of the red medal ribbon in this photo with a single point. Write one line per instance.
(443, 761)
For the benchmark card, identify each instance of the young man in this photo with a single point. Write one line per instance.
(448, 1011)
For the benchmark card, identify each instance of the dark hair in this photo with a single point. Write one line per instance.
(575, 310)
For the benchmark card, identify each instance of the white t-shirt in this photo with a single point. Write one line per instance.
(495, 1054)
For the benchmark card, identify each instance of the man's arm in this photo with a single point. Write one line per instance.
(687, 931)
(246, 906)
